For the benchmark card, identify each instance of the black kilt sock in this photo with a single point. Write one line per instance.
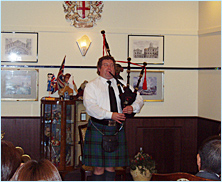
(109, 176)
(98, 177)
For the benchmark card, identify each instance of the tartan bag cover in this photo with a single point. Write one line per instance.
(94, 155)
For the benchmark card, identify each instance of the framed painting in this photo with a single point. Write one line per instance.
(19, 47)
(19, 84)
(146, 48)
(155, 85)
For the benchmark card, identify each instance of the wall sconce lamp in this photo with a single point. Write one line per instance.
(83, 44)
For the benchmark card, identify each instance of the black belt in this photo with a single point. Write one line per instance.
(102, 121)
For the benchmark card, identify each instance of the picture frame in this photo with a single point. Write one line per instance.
(146, 48)
(19, 84)
(155, 85)
(19, 47)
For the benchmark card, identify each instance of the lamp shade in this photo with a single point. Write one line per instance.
(84, 44)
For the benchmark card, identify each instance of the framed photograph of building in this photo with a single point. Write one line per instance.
(19, 47)
(146, 48)
(154, 89)
(19, 84)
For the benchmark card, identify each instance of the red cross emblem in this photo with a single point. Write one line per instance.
(83, 8)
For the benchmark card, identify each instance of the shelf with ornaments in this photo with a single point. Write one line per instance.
(58, 126)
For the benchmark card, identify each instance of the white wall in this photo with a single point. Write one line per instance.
(209, 82)
(177, 21)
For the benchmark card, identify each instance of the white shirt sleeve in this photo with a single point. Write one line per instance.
(95, 100)
(138, 103)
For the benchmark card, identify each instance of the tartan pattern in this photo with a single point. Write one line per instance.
(94, 155)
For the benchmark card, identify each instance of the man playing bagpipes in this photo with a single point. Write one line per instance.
(105, 142)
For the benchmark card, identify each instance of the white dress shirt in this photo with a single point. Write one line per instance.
(96, 98)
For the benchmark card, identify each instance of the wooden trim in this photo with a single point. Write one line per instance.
(179, 137)
(20, 117)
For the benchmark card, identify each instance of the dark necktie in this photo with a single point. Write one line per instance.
(113, 103)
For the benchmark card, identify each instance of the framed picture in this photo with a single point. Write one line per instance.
(19, 47)
(146, 48)
(155, 85)
(19, 84)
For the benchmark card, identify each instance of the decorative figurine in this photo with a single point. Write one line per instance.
(62, 83)
(50, 82)
(81, 89)
(47, 143)
(55, 142)
(66, 91)
(47, 135)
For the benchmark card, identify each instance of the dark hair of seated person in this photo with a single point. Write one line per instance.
(33, 170)
(10, 160)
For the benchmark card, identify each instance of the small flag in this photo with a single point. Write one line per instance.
(60, 77)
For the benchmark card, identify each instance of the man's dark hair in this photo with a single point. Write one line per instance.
(100, 62)
(210, 154)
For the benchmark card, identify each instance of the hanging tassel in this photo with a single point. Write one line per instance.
(144, 81)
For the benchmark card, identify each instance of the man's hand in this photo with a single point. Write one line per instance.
(118, 117)
(128, 110)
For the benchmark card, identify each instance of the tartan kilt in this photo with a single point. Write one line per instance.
(94, 155)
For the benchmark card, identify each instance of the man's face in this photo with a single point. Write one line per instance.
(107, 66)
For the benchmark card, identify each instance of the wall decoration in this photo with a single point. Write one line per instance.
(83, 14)
(146, 48)
(19, 84)
(84, 43)
(19, 47)
(155, 85)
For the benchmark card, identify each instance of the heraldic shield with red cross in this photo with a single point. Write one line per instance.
(83, 8)
(83, 14)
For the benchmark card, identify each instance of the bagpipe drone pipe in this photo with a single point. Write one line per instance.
(128, 96)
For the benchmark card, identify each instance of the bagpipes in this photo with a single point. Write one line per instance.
(128, 96)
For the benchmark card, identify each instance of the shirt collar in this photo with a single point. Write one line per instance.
(104, 80)
(212, 173)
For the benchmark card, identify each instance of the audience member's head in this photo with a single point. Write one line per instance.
(10, 161)
(209, 155)
(33, 170)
